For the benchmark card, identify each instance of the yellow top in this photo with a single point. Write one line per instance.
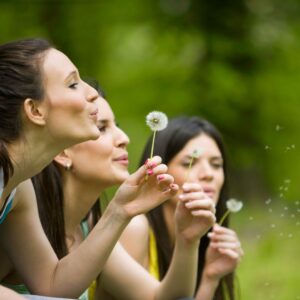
(153, 257)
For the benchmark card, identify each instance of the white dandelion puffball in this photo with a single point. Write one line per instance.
(157, 120)
(196, 153)
(234, 205)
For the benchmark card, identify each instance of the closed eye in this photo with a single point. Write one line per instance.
(73, 85)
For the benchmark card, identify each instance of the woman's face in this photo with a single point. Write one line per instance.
(103, 162)
(71, 113)
(207, 169)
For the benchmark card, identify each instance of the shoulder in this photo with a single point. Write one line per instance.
(138, 226)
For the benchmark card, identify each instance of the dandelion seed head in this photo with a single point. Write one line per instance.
(234, 205)
(157, 120)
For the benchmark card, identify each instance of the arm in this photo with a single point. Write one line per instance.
(222, 257)
(192, 223)
(36, 262)
(7, 294)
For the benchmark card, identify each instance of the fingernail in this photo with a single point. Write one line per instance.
(152, 165)
(160, 177)
(149, 172)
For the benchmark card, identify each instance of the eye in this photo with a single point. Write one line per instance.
(73, 85)
(102, 128)
(186, 164)
(217, 165)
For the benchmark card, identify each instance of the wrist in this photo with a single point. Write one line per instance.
(117, 212)
(210, 279)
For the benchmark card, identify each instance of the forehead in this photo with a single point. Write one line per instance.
(57, 65)
(204, 143)
(105, 111)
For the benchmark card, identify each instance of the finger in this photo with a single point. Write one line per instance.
(222, 237)
(201, 204)
(172, 191)
(229, 252)
(226, 245)
(139, 175)
(205, 214)
(164, 181)
(192, 187)
(221, 229)
(153, 162)
(192, 196)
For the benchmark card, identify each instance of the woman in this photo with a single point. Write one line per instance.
(44, 108)
(220, 250)
(76, 178)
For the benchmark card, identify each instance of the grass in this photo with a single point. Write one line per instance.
(270, 236)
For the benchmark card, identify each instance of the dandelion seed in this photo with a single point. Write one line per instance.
(292, 216)
(297, 202)
(251, 218)
(298, 210)
(281, 195)
(286, 188)
(298, 223)
(268, 201)
(273, 225)
(287, 149)
(288, 181)
(258, 236)
(270, 210)
(267, 147)
(281, 234)
(267, 283)
(280, 188)
(290, 235)
(282, 215)
(293, 146)
(278, 127)
(232, 205)
(286, 208)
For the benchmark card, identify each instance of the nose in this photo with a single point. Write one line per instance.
(122, 139)
(205, 172)
(92, 94)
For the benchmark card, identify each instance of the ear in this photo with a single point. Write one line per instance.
(35, 111)
(64, 160)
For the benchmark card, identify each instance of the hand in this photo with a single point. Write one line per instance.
(223, 253)
(140, 193)
(195, 212)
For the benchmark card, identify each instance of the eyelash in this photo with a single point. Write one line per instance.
(102, 128)
(73, 85)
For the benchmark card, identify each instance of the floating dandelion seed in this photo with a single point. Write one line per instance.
(298, 223)
(281, 195)
(258, 236)
(272, 225)
(290, 235)
(278, 127)
(293, 146)
(298, 210)
(286, 188)
(251, 218)
(267, 147)
(267, 283)
(288, 181)
(280, 188)
(297, 202)
(268, 201)
(232, 205)
(281, 234)
(282, 215)
(292, 216)
(270, 210)
(286, 208)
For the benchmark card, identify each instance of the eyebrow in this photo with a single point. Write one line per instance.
(73, 73)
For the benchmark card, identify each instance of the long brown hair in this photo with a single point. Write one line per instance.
(20, 78)
(168, 143)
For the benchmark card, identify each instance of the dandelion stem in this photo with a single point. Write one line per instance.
(152, 146)
(224, 217)
(189, 169)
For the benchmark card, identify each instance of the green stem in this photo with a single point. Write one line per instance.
(224, 217)
(189, 169)
(152, 146)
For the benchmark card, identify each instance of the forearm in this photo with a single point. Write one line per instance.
(77, 270)
(7, 294)
(207, 288)
(180, 280)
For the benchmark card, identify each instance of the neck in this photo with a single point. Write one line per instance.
(29, 155)
(79, 197)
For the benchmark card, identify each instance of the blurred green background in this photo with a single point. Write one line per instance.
(236, 63)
